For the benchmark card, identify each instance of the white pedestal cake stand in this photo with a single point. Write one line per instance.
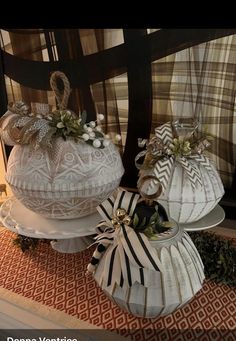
(69, 234)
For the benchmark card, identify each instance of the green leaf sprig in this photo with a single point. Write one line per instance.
(67, 124)
(153, 227)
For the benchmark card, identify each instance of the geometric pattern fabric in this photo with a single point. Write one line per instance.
(58, 280)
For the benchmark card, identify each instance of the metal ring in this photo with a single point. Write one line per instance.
(144, 195)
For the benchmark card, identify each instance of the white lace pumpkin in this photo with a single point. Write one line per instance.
(67, 182)
(57, 178)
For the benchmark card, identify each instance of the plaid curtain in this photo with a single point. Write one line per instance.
(200, 82)
(30, 46)
(196, 82)
(110, 96)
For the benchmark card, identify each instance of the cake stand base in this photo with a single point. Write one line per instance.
(68, 236)
(72, 245)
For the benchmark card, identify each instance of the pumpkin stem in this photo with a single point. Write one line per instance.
(61, 96)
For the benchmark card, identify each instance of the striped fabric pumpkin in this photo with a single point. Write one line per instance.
(165, 291)
(146, 278)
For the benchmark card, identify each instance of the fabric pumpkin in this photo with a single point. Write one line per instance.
(146, 278)
(191, 184)
(66, 182)
(61, 166)
(186, 204)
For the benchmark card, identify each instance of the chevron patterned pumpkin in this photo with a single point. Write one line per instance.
(183, 202)
(191, 185)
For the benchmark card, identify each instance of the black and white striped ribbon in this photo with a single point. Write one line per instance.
(129, 255)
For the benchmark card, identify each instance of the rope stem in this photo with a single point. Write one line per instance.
(62, 97)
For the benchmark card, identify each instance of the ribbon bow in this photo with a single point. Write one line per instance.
(24, 127)
(129, 256)
(164, 149)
